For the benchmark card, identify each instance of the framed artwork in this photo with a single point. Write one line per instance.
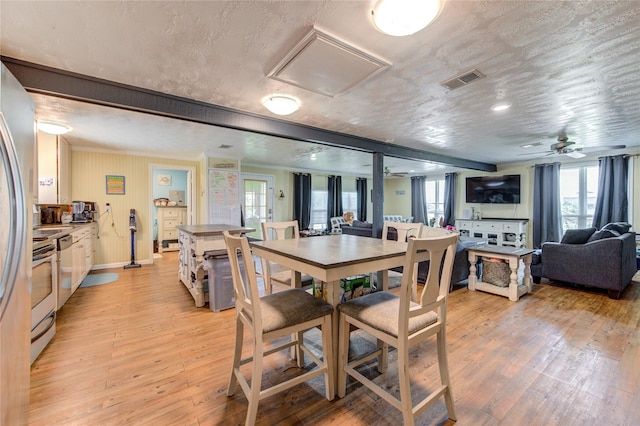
(164, 180)
(115, 185)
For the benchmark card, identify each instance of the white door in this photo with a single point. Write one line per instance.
(257, 201)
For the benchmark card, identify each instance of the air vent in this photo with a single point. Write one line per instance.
(225, 146)
(463, 79)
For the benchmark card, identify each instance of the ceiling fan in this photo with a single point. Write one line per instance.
(389, 173)
(563, 146)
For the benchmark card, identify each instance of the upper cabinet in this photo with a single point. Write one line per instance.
(54, 169)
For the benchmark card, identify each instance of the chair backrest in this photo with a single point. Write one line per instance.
(436, 288)
(430, 231)
(337, 221)
(405, 230)
(279, 230)
(245, 286)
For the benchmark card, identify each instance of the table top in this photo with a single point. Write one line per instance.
(213, 229)
(334, 251)
(489, 248)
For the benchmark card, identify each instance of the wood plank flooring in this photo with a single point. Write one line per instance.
(138, 351)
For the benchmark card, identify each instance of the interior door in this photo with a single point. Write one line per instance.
(258, 201)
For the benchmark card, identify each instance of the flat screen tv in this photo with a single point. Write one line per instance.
(493, 189)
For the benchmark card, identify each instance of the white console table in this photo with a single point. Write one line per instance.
(194, 241)
(500, 232)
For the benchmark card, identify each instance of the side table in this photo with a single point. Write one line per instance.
(513, 256)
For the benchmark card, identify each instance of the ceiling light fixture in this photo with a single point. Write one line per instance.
(281, 104)
(404, 17)
(500, 107)
(53, 128)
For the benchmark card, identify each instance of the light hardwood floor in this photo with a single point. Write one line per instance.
(138, 351)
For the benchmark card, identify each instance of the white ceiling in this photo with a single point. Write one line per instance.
(571, 64)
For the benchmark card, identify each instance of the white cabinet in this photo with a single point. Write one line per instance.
(168, 219)
(54, 169)
(82, 253)
(501, 232)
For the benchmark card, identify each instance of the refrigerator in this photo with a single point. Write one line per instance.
(17, 183)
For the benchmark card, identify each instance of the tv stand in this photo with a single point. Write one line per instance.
(499, 232)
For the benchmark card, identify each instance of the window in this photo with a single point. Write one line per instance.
(319, 207)
(435, 201)
(578, 192)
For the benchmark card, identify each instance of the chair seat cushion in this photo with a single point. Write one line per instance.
(290, 307)
(285, 278)
(380, 311)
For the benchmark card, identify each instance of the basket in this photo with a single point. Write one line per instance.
(496, 272)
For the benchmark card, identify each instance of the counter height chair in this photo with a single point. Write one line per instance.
(281, 278)
(404, 230)
(401, 323)
(274, 316)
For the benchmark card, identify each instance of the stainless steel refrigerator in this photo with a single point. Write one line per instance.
(17, 181)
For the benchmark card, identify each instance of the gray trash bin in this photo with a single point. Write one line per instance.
(220, 281)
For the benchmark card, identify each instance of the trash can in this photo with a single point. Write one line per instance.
(219, 280)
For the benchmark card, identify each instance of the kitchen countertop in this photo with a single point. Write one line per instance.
(46, 233)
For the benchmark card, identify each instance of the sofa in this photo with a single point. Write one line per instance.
(602, 258)
(360, 229)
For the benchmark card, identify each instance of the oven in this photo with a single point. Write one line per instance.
(44, 291)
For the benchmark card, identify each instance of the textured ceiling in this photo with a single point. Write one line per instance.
(570, 65)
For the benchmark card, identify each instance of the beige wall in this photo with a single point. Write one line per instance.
(397, 197)
(114, 242)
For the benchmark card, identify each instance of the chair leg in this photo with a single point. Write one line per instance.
(256, 381)
(343, 355)
(327, 354)
(444, 373)
(405, 385)
(237, 355)
(296, 351)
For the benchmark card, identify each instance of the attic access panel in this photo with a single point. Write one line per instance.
(325, 65)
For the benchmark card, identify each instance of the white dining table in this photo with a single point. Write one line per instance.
(329, 259)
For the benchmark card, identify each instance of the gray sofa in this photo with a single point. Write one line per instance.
(604, 259)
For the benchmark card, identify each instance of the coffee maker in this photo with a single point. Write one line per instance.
(90, 210)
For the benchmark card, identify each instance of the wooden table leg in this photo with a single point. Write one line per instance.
(526, 280)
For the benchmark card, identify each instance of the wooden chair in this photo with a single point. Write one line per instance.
(282, 278)
(271, 317)
(405, 230)
(401, 323)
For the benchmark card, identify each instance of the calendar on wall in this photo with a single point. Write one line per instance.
(224, 197)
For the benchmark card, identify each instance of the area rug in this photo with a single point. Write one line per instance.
(99, 279)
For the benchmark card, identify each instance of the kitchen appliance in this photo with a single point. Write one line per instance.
(44, 290)
(65, 266)
(17, 182)
(90, 210)
(77, 209)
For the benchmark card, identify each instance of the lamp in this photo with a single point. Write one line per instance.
(53, 128)
(404, 17)
(281, 195)
(281, 104)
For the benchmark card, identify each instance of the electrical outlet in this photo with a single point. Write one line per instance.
(108, 208)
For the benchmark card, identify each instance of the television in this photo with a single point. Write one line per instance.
(493, 189)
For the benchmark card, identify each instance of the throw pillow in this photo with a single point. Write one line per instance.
(577, 236)
(619, 227)
(602, 234)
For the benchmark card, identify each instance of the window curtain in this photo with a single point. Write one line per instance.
(450, 184)
(612, 203)
(302, 199)
(547, 214)
(419, 199)
(361, 195)
(334, 198)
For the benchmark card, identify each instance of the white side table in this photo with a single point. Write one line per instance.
(513, 256)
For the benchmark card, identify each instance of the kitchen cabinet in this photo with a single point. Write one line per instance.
(82, 253)
(54, 169)
(168, 219)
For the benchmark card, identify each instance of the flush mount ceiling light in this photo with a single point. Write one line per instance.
(280, 104)
(404, 17)
(501, 107)
(53, 128)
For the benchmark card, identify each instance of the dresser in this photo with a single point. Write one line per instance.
(168, 219)
(500, 232)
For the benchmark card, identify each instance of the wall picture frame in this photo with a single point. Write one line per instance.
(164, 180)
(115, 184)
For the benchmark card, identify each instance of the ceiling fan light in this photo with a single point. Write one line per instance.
(501, 107)
(281, 104)
(53, 128)
(404, 17)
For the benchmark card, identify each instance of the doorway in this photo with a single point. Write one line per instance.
(257, 196)
(165, 179)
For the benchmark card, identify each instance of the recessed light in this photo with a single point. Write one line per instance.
(53, 128)
(281, 104)
(405, 17)
(500, 107)
(313, 157)
(530, 145)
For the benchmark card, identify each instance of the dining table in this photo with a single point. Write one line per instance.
(331, 258)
